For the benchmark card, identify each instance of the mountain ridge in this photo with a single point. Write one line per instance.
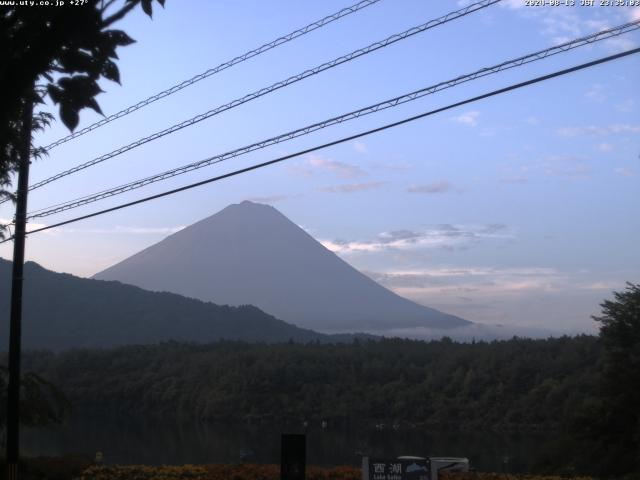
(250, 253)
(62, 311)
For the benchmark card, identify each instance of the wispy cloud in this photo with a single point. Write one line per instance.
(597, 25)
(619, 128)
(352, 187)
(605, 147)
(469, 279)
(627, 105)
(439, 236)
(338, 168)
(397, 166)
(565, 166)
(483, 282)
(621, 43)
(513, 4)
(30, 226)
(442, 186)
(596, 93)
(572, 167)
(560, 24)
(514, 179)
(271, 198)
(563, 24)
(625, 172)
(468, 118)
(601, 285)
(513, 174)
(316, 164)
(540, 295)
(36, 226)
(360, 147)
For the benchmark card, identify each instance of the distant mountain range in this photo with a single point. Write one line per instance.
(250, 253)
(62, 311)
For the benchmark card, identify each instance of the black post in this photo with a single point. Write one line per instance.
(13, 397)
(293, 463)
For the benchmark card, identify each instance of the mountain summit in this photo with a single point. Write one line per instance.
(250, 253)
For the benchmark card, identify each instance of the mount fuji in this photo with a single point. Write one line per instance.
(251, 254)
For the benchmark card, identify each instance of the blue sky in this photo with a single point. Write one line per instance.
(521, 209)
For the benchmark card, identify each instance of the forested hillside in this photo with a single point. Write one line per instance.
(518, 384)
(62, 311)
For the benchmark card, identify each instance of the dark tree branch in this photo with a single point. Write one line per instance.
(120, 14)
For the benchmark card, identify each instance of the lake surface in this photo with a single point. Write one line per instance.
(136, 442)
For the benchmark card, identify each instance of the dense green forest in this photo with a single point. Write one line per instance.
(518, 384)
(547, 386)
(583, 392)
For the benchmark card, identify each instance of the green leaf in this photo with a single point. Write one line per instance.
(69, 116)
(110, 71)
(79, 87)
(119, 37)
(55, 93)
(146, 6)
(91, 103)
(77, 61)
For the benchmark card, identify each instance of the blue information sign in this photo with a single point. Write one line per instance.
(395, 469)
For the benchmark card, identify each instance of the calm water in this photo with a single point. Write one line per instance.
(135, 442)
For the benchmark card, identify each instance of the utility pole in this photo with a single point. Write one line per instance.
(13, 397)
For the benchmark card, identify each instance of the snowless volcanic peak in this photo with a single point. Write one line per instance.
(250, 253)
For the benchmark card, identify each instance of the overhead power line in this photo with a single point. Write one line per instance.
(343, 140)
(276, 86)
(212, 71)
(532, 57)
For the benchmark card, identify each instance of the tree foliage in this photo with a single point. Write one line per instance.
(41, 402)
(61, 53)
(511, 385)
(620, 335)
(612, 426)
(58, 52)
(519, 386)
